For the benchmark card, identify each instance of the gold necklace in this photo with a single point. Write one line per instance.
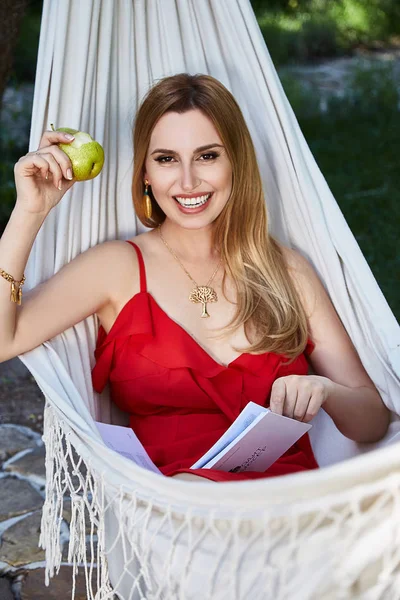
(200, 293)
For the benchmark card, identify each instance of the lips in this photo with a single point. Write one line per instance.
(196, 208)
(193, 201)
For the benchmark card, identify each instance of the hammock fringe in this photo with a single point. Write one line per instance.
(68, 476)
(164, 551)
(329, 535)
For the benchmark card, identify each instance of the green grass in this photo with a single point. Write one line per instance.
(356, 146)
(360, 163)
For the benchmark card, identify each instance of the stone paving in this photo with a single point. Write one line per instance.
(22, 485)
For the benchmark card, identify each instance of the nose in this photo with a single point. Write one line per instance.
(189, 179)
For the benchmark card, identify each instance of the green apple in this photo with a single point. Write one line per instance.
(85, 154)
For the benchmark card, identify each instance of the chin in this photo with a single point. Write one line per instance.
(200, 222)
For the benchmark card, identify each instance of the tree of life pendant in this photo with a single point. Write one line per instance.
(202, 294)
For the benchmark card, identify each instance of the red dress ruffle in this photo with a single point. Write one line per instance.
(181, 400)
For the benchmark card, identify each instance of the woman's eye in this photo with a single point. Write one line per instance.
(162, 159)
(206, 157)
(211, 155)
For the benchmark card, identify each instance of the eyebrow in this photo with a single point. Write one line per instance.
(199, 149)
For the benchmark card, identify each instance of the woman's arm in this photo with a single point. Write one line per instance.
(15, 246)
(351, 398)
(358, 413)
(81, 288)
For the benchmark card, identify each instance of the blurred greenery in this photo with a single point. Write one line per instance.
(25, 56)
(354, 141)
(13, 146)
(356, 145)
(301, 30)
(7, 188)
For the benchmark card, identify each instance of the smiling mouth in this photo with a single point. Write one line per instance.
(193, 202)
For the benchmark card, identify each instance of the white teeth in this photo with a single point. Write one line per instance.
(186, 202)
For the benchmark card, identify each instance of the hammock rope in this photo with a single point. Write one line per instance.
(172, 546)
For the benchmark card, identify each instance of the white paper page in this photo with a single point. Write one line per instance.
(246, 417)
(124, 441)
(260, 445)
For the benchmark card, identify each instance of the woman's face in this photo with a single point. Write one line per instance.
(188, 169)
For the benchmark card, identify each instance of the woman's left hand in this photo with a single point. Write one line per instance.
(299, 396)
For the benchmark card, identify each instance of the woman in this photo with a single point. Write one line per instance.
(204, 312)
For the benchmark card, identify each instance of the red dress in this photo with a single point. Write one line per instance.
(181, 400)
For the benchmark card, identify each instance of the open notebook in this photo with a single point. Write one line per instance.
(254, 441)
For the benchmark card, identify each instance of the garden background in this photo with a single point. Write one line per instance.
(339, 63)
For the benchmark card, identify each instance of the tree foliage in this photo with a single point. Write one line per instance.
(386, 12)
(11, 14)
(288, 6)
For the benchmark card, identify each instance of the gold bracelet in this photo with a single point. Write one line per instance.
(16, 294)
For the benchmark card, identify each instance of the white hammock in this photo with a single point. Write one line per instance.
(332, 533)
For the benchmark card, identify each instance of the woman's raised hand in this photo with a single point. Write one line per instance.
(43, 177)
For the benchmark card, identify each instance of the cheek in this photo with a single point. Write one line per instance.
(228, 171)
(160, 178)
(229, 180)
(223, 176)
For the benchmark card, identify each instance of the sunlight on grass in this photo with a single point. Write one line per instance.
(283, 22)
(322, 28)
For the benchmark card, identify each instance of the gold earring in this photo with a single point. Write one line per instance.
(148, 208)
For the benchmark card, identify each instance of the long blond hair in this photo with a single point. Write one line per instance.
(267, 299)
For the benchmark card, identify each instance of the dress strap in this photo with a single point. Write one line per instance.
(143, 284)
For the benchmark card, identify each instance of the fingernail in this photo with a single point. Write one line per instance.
(60, 186)
(69, 174)
(68, 136)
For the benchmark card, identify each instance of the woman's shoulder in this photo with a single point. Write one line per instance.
(298, 266)
(117, 259)
(295, 261)
(122, 249)
(146, 241)
(305, 278)
(118, 262)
